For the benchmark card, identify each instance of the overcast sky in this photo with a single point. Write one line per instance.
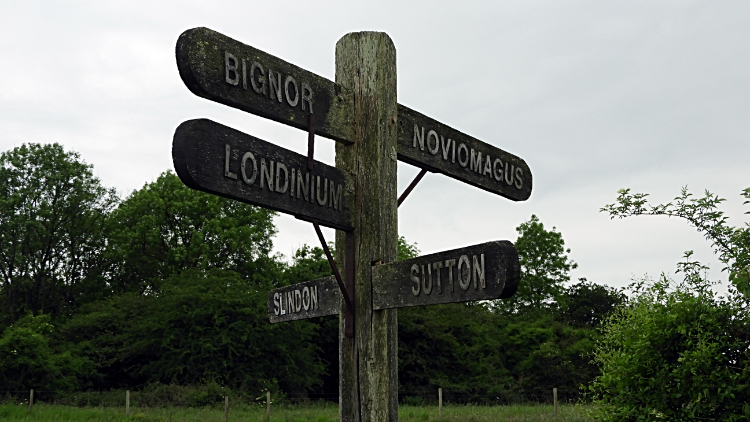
(595, 96)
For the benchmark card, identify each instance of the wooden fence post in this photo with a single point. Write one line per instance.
(368, 362)
(554, 398)
(31, 399)
(127, 402)
(440, 402)
(226, 408)
(268, 406)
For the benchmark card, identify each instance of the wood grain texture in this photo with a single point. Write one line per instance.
(490, 271)
(504, 174)
(202, 62)
(295, 302)
(366, 64)
(201, 160)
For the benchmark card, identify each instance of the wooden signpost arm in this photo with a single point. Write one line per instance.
(366, 64)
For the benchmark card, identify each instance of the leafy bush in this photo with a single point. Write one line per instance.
(202, 327)
(676, 351)
(27, 360)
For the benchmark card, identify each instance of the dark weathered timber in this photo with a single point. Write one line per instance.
(208, 156)
(322, 297)
(426, 143)
(368, 363)
(211, 65)
(480, 272)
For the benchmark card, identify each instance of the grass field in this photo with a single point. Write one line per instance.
(311, 413)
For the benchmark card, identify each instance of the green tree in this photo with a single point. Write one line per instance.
(587, 304)
(545, 267)
(165, 228)
(732, 244)
(406, 250)
(28, 360)
(478, 353)
(202, 326)
(52, 210)
(677, 352)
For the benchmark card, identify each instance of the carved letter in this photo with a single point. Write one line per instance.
(294, 177)
(415, 278)
(262, 79)
(464, 279)
(231, 69)
(249, 180)
(465, 161)
(291, 102)
(274, 85)
(244, 75)
(335, 200)
(509, 180)
(324, 200)
(306, 298)
(275, 303)
(476, 165)
(487, 167)
(297, 300)
(314, 297)
(425, 288)
(281, 166)
(303, 185)
(478, 273)
(446, 147)
(266, 174)
(449, 264)
(228, 173)
(307, 96)
(498, 173)
(433, 134)
(282, 301)
(519, 177)
(437, 266)
(418, 137)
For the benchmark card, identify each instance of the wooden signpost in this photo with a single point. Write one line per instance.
(357, 197)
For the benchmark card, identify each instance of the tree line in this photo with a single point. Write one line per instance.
(168, 286)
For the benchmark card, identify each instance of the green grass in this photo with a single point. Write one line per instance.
(307, 413)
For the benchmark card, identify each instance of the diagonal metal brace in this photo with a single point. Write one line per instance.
(411, 187)
(310, 141)
(335, 269)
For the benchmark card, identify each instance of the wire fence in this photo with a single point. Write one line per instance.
(177, 396)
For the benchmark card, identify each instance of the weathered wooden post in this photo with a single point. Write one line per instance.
(368, 363)
(357, 197)
(554, 399)
(440, 402)
(127, 402)
(31, 399)
(268, 406)
(226, 408)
